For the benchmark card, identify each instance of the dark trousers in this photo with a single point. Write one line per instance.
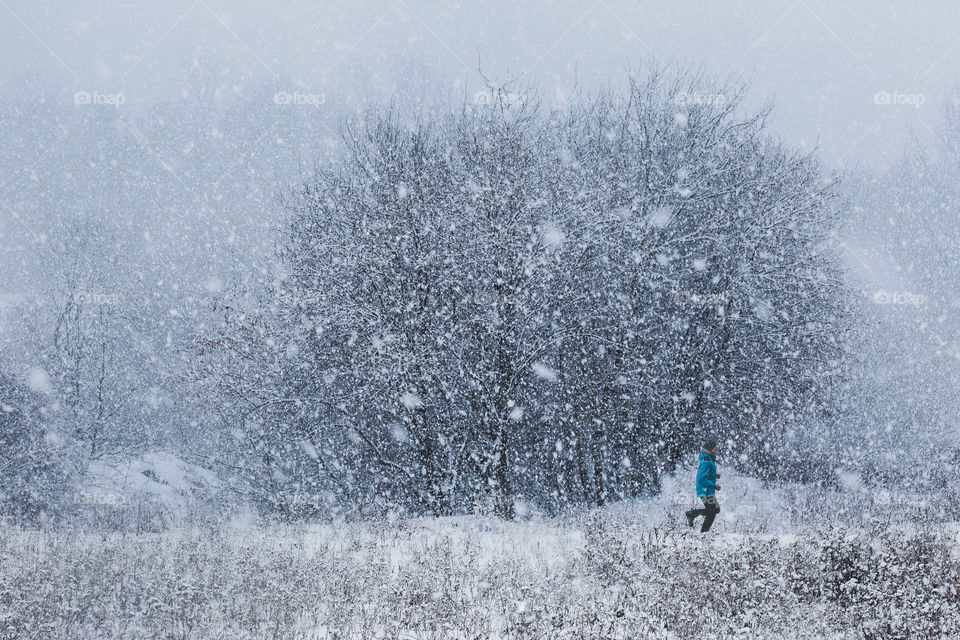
(710, 510)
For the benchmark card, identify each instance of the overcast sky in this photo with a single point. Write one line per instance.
(823, 61)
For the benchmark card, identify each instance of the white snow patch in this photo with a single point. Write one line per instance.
(159, 477)
(849, 480)
(38, 380)
(213, 285)
(543, 371)
(411, 400)
(660, 217)
(398, 433)
(553, 235)
(309, 449)
(763, 310)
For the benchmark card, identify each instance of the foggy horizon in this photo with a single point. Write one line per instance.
(824, 64)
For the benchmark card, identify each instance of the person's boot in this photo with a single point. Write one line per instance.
(690, 518)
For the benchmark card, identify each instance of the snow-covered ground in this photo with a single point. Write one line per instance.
(161, 475)
(154, 491)
(628, 570)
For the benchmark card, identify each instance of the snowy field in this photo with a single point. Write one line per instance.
(427, 320)
(629, 570)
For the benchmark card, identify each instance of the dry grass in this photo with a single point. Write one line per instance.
(593, 577)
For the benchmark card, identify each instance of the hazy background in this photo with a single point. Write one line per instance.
(823, 61)
(143, 146)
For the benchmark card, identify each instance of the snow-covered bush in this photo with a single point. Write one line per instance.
(149, 493)
(606, 574)
(34, 476)
(891, 585)
(544, 308)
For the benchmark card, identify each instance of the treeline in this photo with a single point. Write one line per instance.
(905, 233)
(487, 307)
(502, 305)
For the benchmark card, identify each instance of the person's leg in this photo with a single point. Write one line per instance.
(693, 514)
(698, 512)
(712, 508)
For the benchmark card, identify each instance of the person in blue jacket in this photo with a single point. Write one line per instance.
(706, 487)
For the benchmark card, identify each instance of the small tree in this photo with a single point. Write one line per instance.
(33, 480)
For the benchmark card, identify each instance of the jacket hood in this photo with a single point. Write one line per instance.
(705, 456)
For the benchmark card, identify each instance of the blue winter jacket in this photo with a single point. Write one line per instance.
(706, 475)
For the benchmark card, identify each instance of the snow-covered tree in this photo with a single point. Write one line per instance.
(33, 477)
(904, 244)
(505, 305)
